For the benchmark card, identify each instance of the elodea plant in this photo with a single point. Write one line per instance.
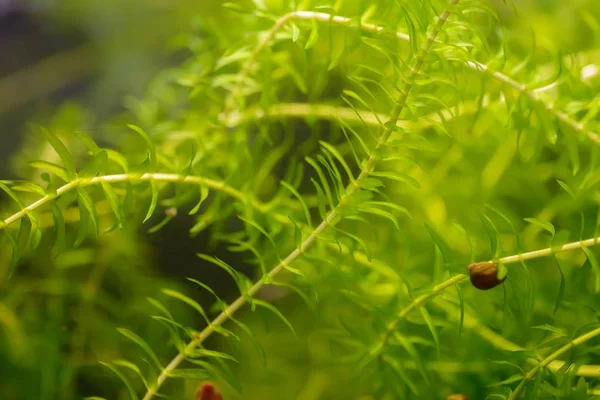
(402, 197)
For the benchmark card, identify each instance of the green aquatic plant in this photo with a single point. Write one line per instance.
(343, 165)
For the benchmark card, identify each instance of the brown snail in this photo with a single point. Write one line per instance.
(484, 275)
(457, 396)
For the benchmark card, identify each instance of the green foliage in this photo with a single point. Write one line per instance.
(352, 158)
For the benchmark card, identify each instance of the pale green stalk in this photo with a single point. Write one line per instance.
(367, 27)
(546, 361)
(329, 220)
(462, 277)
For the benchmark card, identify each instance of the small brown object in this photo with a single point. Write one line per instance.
(208, 391)
(484, 275)
(457, 396)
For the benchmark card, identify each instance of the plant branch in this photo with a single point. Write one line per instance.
(73, 214)
(462, 277)
(502, 343)
(367, 27)
(531, 94)
(552, 357)
(162, 177)
(329, 220)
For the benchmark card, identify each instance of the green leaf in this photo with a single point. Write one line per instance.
(531, 393)
(145, 346)
(370, 183)
(241, 7)
(274, 309)
(321, 201)
(159, 306)
(223, 372)
(300, 199)
(358, 240)
(439, 242)
(335, 153)
(57, 170)
(59, 230)
(431, 327)
(114, 202)
(203, 196)
(227, 268)
(189, 373)
(5, 188)
(62, 152)
(297, 235)
(550, 328)
(492, 234)
(413, 353)
(393, 206)
(295, 32)
(259, 350)
(382, 213)
(167, 218)
(398, 177)
(200, 353)
(314, 35)
(153, 201)
(88, 142)
(151, 151)
(502, 271)
(174, 327)
(398, 369)
(461, 302)
(322, 179)
(29, 187)
(123, 378)
(567, 188)
(15, 256)
(189, 301)
(561, 288)
(542, 224)
(134, 368)
(86, 202)
(591, 258)
(96, 166)
(19, 245)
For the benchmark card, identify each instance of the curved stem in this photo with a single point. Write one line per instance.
(329, 220)
(474, 65)
(117, 178)
(546, 361)
(502, 343)
(462, 277)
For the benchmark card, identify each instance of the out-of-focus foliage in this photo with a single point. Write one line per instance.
(350, 170)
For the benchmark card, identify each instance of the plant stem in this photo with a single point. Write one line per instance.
(367, 27)
(561, 116)
(163, 177)
(329, 220)
(462, 277)
(502, 343)
(544, 363)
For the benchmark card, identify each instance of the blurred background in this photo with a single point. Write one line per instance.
(92, 53)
